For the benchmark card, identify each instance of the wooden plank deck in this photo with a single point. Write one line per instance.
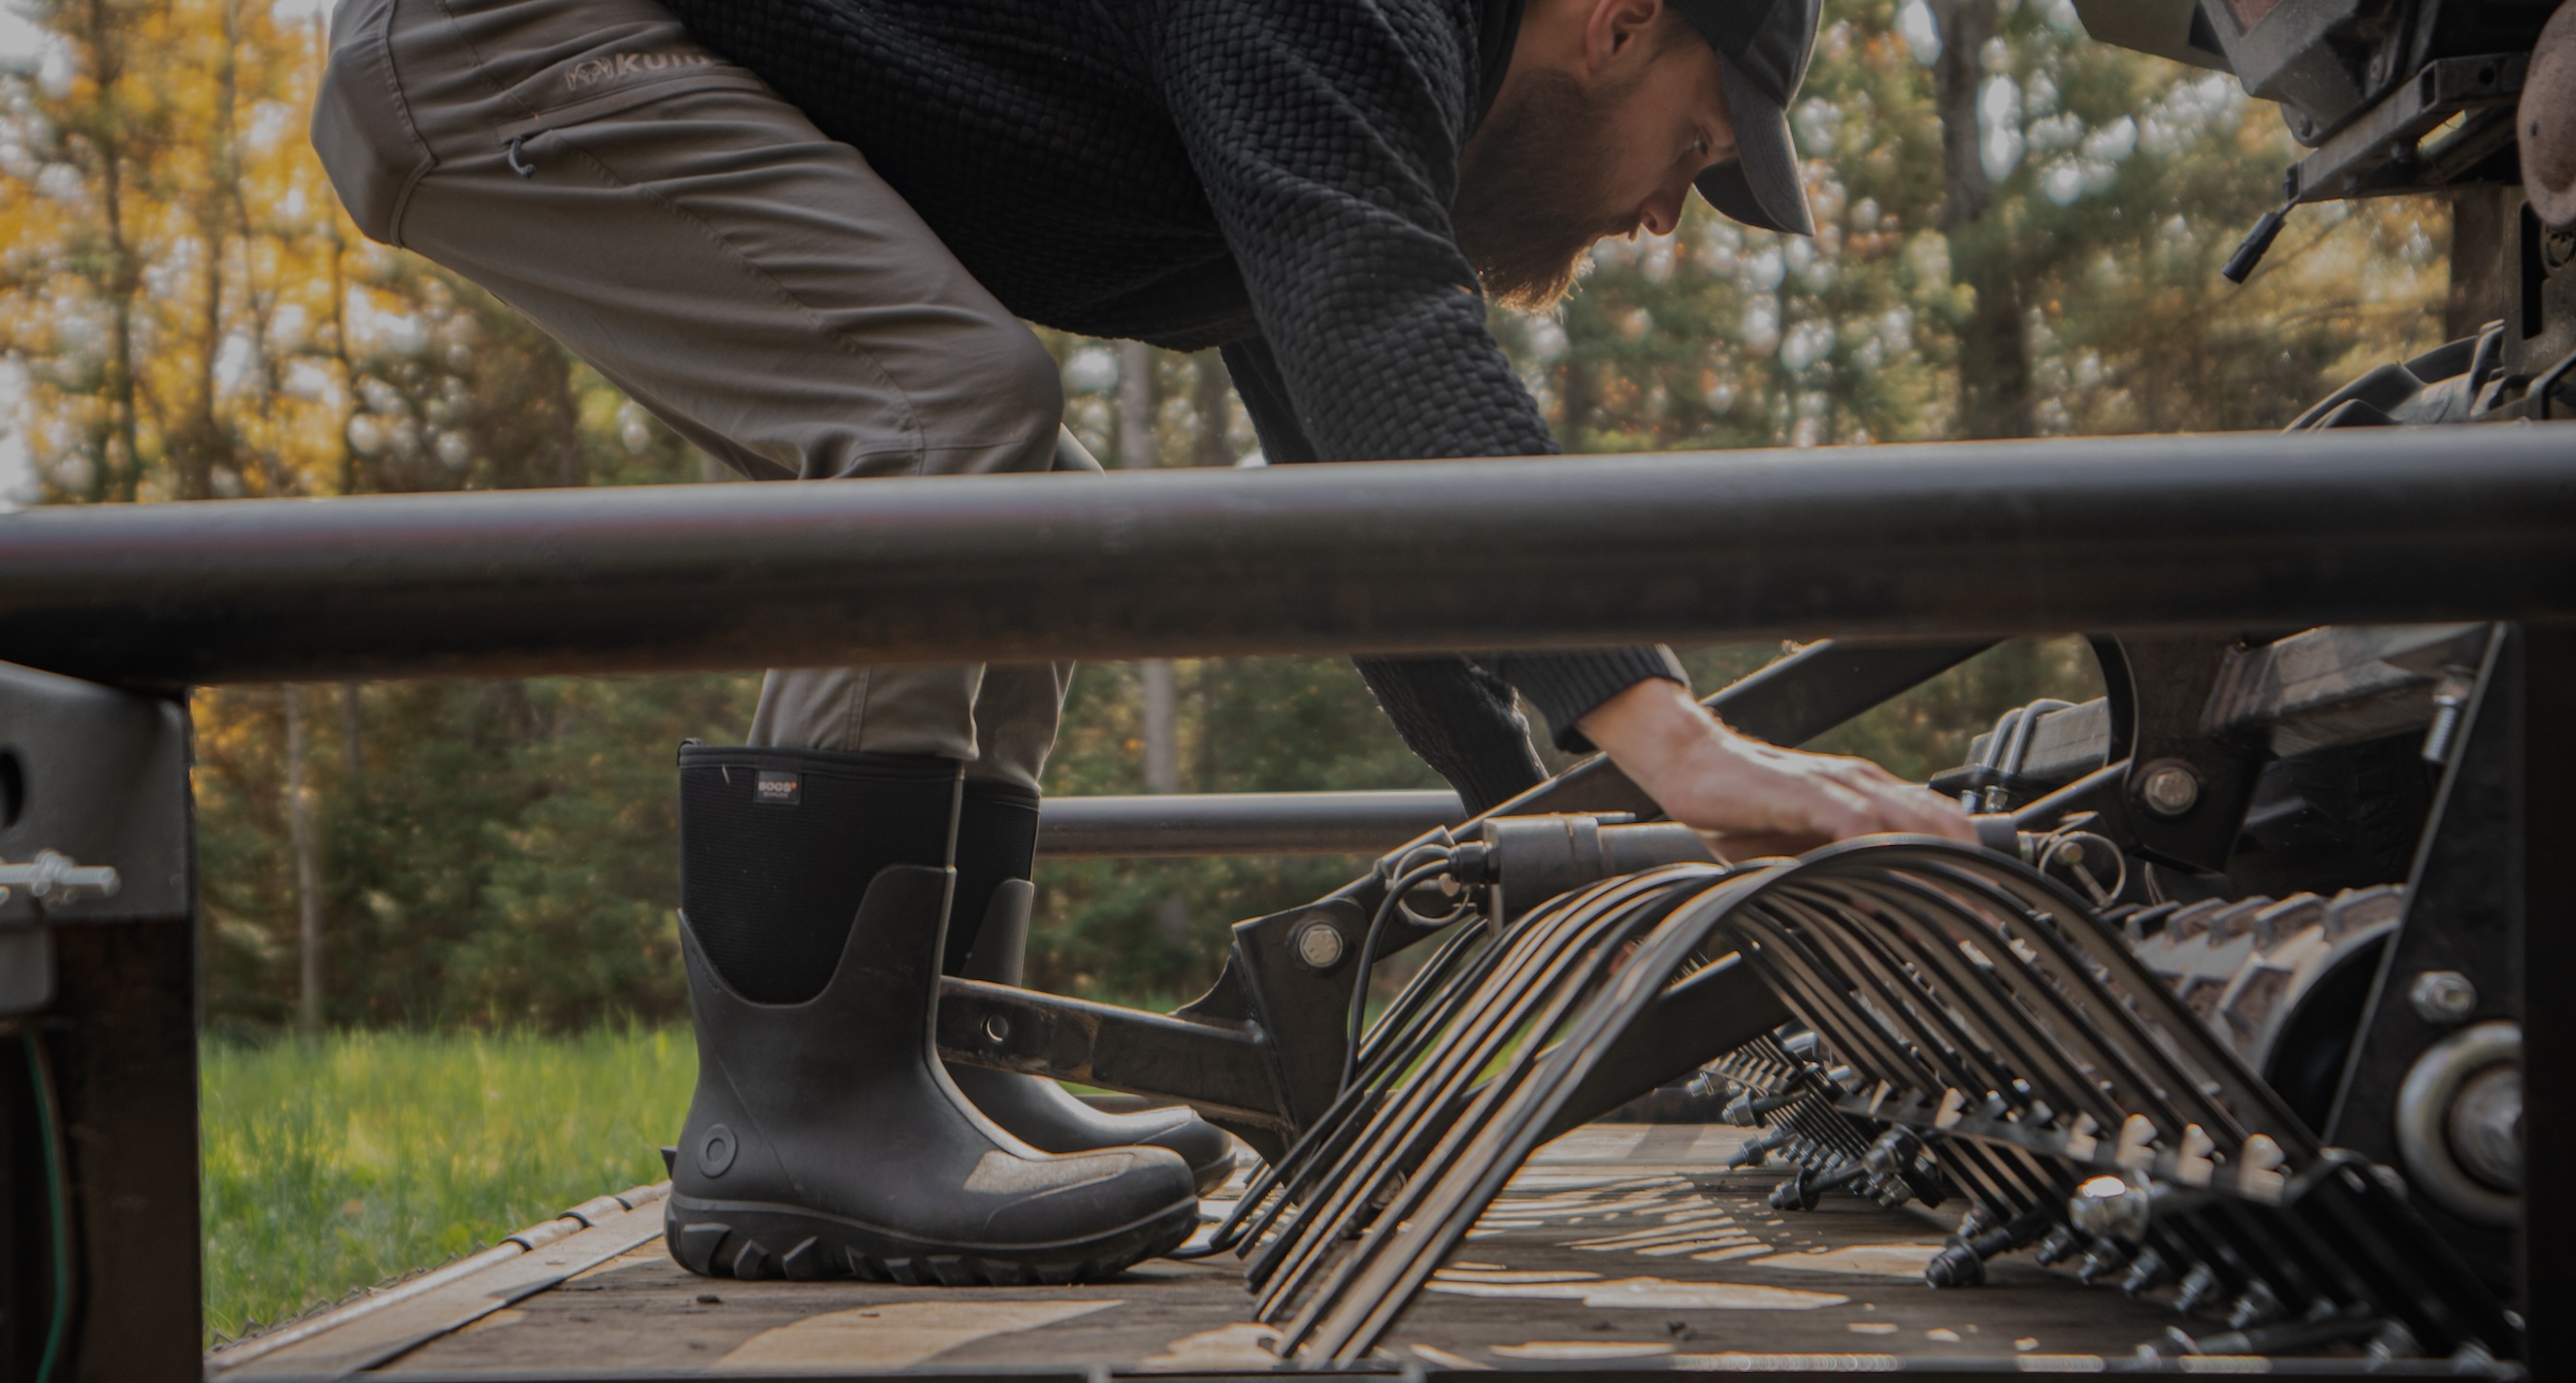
(1617, 1243)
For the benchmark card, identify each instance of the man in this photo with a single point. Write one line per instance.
(803, 233)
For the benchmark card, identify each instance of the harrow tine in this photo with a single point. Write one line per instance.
(2013, 1046)
(1398, 1255)
(1406, 1136)
(1314, 1154)
(1376, 1139)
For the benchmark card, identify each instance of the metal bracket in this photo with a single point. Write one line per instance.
(2464, 902)
(98, 969)
(2183, 796)
(2381, 152)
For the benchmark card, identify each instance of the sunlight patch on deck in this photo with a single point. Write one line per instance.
(1860, 1260)
(897, 1335)
(1244, 1346)
(1650, 1293)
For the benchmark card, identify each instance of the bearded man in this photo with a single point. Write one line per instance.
(804, 233)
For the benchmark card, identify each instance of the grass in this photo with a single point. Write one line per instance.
(339, 1162)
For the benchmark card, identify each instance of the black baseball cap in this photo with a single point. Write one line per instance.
(1762, 48)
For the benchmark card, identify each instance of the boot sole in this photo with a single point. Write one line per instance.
(753, 1241)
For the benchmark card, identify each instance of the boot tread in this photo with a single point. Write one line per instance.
(827, 1250)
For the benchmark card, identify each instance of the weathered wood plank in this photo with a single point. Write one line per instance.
(376, 1330)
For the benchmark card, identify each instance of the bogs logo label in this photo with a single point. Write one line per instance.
(590, 74)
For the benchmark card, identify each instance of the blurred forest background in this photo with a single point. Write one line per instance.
(2020, 236)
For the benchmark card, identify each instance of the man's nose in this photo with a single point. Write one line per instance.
(1663, 211)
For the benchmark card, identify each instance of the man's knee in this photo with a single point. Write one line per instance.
(979, 399)
(1029, 389)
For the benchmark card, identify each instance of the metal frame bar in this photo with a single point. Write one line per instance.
(2209, 532)
(1181, 825)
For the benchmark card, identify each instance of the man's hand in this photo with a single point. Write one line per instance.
(1750, 798)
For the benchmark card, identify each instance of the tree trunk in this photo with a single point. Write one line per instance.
(1162, 699)
(2481, 243)
(1137, 452)
(120, 277)
(353, 744)
(1994, 349)
(308, 869)
(1212, 447)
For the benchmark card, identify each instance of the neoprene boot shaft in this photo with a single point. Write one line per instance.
(997, 832)
(824, 1139)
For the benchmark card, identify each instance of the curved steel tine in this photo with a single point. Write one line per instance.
(1984, 1003)
(1442, 1087)
(1319, 1148)
(1505, 1139)
(1416, 1118)
(1551, 998)
(1825, 1009)
(2159, 1009)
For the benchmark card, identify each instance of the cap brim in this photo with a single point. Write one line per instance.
(1762, 187)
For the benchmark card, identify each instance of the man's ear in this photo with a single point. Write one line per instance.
(1613, 34)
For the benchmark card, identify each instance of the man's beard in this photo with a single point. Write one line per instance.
(1530, 198)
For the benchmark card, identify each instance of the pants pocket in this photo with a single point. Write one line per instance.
(361, 126)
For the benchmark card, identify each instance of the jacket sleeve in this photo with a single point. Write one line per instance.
(1327, 138)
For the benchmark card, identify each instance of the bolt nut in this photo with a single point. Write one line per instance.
(2443, 996)
(997, 1029)
(2169, 789)
(1319, 945)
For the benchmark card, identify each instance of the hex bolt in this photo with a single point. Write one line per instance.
(2105, 1259)
(1756, 1150)
(2257, 1305)
(1746, 1110)
(1319, 945)
(2442, 996)
(2061, 1244)
(2199, 1287)
(2146, 1273)
(1955, 1266)
(1894, 1152)
(2169, 788)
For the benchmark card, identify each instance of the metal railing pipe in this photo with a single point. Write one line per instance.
(1171, 826)
(2224, 531)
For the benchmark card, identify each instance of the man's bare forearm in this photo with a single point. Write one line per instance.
(1752, 798)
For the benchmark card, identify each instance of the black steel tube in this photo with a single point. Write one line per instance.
(1987, 538)
(1241, 823)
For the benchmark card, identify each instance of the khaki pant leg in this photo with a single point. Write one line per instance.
(692, 236)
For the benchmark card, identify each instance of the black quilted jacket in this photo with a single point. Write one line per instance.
(1269, 176)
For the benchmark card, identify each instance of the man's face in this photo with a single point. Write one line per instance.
(1569, 157)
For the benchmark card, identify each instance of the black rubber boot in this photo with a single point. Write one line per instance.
(997, 835)
(824, 1140)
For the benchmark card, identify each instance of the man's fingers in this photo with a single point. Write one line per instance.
(1754, 798)
(1897, 805)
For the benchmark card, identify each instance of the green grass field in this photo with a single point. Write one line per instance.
(340, 1162)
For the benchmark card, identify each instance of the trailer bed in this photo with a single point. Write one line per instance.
(1616, 1245)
